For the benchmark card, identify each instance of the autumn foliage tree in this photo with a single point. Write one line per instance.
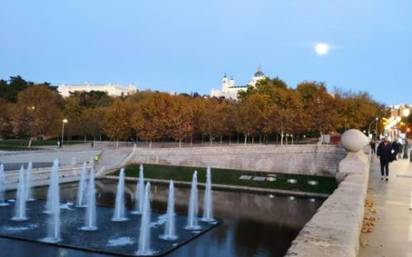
(37, 113)
(117, 121)
(180, 119)
(270, 109)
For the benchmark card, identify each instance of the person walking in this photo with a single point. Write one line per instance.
(373, 146)
(385, 155)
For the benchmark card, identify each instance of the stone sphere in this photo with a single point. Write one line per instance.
(354, 140)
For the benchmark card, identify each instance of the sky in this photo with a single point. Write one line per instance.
(187, 45)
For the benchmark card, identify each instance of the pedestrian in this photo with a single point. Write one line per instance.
(385, 154)
(397, 148)
(373, 146)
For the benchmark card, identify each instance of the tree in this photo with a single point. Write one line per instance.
(356, 110)
(92, 98)
(322, 111)
(181, 119)
(92, 120)
(252, 114)
(5, 118)
(117, 117)
(151, 118)
(211, 119)
(73, 112)
(10, 89)
(37, 113)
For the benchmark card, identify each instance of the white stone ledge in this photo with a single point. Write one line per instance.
(335, 229)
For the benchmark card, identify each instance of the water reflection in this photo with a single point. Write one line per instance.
(253, 224)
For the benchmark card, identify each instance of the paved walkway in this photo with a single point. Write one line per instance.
(392, 234)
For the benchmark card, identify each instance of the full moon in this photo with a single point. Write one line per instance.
(321, 48)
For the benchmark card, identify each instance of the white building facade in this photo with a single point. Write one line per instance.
(110, 89)
(230, 90)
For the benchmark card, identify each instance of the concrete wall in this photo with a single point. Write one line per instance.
(298, 159)
(64, 157)
(41, 176)
(335, 229)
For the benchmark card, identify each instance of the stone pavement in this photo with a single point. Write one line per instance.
(392, 234)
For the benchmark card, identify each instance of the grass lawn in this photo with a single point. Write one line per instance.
(326, 185)
(8, 147)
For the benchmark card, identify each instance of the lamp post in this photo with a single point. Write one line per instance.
(64, 121)
(376, 127)
(405, 113)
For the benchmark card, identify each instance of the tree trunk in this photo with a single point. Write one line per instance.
(230, 140)
(245, 139)
(150, 144)
(253, 140)
(191, 140)
(260, 139)
(281, 138)
(221, 140)
(117, 143)
(180, 143)
(211, 140)
(30, 141)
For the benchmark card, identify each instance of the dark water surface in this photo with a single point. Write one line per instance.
(253, 224)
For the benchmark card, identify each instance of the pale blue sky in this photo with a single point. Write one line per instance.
(187, 45)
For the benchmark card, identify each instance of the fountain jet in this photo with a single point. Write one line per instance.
(54, 179)
(53, 232)
(192, 222)
(90, 220)
(139, 193)
(170, 226)
(20, 207)
(119, 210)
(144, 236)
(208, 199)
(82, 187)
(3, 183)
(29, 182)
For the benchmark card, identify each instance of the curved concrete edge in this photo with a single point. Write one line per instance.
(335, 228)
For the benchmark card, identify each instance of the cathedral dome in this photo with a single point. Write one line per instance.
(259, 73)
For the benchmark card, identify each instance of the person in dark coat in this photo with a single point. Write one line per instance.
(397, 148)
(385, 154)
(373, 146)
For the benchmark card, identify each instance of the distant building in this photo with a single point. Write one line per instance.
(110, 89)
(394, 122)
(230, 89)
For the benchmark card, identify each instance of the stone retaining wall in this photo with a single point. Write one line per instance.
(64, 157)
(41, 177)
(335, 229)
(297, 159)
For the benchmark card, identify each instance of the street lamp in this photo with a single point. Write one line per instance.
(64, 121)
(376, 127)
